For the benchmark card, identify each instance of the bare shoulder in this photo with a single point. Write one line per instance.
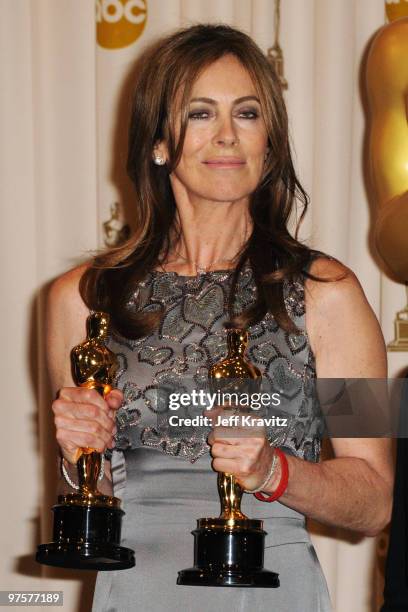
(336, 283)
(343, 330)
(64, 302)
(64, 290)
(66, 315)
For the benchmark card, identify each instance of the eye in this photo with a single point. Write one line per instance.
(249, 114)
(199, 114)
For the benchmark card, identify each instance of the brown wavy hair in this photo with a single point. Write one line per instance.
(169, 67)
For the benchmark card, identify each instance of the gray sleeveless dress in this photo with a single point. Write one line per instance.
(166, 482)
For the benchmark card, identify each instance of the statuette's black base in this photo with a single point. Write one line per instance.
(86, 537)
(223, 578)
(102, 558)
(225, 556)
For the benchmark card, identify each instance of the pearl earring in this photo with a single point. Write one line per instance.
(159, 160)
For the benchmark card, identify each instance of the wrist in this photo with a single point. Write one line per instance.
(69, 461)
(70, 472)
(269, 476)
(282, 484)
(70, 458)
(272, 484)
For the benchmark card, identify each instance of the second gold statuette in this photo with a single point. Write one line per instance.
(229, 549)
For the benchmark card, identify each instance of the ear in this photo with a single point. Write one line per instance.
(160, 150)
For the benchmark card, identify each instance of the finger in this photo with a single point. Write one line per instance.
(114, 399)
(225, 451)
(96, 431)
(211, 416)
(234, 434)
(77, 410)
(228, 466)
(112, 415)
(220, 411)
(83, 395)
(80, 439)
(228, 435)
(248, 449)
(70, 452)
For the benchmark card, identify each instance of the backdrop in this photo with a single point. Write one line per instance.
(63, 110)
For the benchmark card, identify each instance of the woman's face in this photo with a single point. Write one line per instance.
(226, 140)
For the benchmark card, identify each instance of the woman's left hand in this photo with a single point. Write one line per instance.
(241, 450)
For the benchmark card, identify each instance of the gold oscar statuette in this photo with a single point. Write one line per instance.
(87, 524)
(229, 549)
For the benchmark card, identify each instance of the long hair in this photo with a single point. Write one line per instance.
(168, 68)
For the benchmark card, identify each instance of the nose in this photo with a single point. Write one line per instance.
(226, 133)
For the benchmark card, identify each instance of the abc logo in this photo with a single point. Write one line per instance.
(119, 22)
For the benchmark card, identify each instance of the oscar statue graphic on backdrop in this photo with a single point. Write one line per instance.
(229, 549)
(387, 84)
(387, 87)
(87, 524)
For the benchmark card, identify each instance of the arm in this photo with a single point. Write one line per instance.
(82, 417)
(354, 490)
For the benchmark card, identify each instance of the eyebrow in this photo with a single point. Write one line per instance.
(214, 102)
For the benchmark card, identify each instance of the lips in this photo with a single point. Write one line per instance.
(224, 162)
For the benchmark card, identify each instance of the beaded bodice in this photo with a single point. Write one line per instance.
(190, 338)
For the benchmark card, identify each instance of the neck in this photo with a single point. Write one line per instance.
(211, 235)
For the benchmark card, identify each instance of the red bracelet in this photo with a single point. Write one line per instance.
(283, 483)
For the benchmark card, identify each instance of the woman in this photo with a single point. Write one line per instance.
(210, 159)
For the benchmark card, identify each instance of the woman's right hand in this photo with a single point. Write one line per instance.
(84, 419)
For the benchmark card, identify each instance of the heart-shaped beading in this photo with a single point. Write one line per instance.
(131, 391)
(205, 309)
(245, 277)
(194, 353)
(256, 331)
(244, 298)
(295, 342)
(216, 346)
(284, 381)
(166, 288)
(155, 355)
(168, 377)
(156, 398)
(263, 352)
(174, 325)
(201, 377)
